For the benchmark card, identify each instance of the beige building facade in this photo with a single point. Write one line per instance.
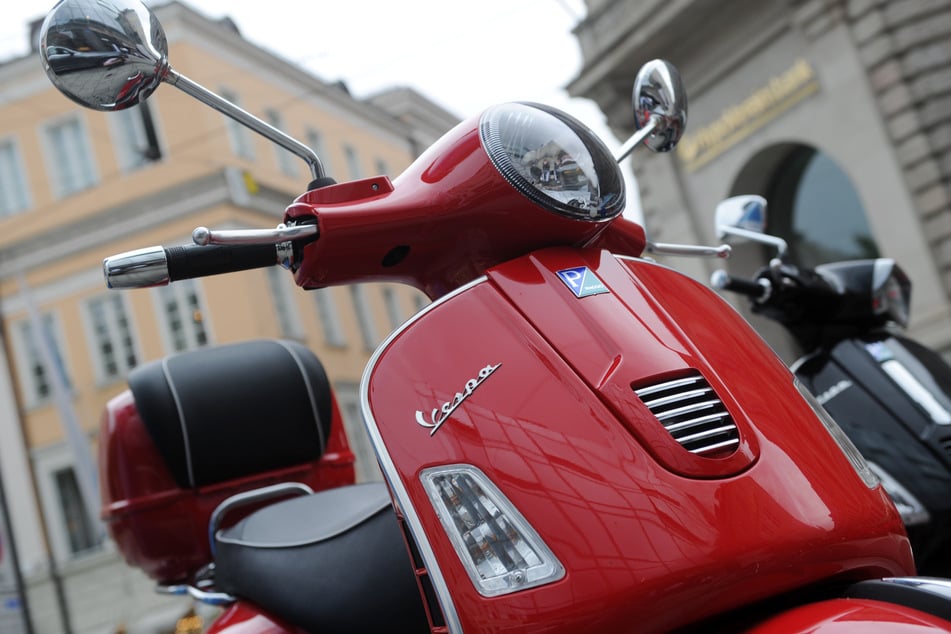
(78, 185)
(837, 111)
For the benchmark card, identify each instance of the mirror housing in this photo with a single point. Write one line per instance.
(105, 56)
(745, 217)
(742, 212)
(112, 54)
(659, 97)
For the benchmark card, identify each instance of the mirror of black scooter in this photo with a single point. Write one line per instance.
(745, 217)
(112, 54)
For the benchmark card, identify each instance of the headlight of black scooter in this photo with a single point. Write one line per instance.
(554, 160)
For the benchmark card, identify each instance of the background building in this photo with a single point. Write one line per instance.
(838, 111)
(77, 186)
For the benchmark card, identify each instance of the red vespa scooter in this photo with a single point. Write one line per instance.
(574, 438)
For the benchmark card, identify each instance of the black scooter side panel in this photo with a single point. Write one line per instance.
(891, 429)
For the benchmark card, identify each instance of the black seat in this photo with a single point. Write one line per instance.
(926, 594)
(330, 562)
(228, 411)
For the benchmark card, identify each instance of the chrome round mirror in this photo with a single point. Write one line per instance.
(104, 54)
(659, 95)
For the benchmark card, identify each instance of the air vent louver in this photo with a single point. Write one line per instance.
(691, 411)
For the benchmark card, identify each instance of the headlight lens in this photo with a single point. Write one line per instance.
(554, 160)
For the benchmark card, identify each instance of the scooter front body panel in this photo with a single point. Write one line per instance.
(652, 537)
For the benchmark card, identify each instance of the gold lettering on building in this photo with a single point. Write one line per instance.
(737, 122)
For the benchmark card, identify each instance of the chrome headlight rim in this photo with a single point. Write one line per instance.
(610, 180)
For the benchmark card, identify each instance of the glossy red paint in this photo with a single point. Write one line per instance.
(851, 616)
(162, 528)
(642, 527)
(242, 618)
(451, 216)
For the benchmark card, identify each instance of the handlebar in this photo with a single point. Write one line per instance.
(156, 266)
(759, 289)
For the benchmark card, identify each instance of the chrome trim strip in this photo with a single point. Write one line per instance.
(181, 421)
(935, 585)
(391, 475)
(311, 396)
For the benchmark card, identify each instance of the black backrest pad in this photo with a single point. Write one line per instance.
(228, 411)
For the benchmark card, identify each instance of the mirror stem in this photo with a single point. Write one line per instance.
(636, 138)
(248, 120)
(754, 236)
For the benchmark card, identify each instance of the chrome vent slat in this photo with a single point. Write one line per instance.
(696, 422)
(692, 414)
(667, 385)
(686, 409)
(676, 398)
(703, 435)
(733, 442)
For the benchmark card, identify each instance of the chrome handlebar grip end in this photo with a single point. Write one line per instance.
(137, 269)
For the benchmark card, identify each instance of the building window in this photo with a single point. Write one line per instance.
(135, 137)
(81, 534)
(348, 398)
(282, 290)
(364, 317)
(285, 159)
(110, 336)
(73, 528)
(393, 311)
(816, 209)
(70, 157)
(329, 317)
(353, 162)
(315, 141)
(14, 191)
(239, 136)
(182, 316)
(36, 380)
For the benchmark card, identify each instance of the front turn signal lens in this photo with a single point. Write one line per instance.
(499, 549)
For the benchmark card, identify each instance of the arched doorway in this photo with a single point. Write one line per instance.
(812, 204)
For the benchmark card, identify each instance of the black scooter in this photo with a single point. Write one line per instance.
(890, 394)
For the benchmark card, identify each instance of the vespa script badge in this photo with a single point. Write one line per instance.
(439, 415)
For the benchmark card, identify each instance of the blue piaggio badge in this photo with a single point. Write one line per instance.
(582, 281)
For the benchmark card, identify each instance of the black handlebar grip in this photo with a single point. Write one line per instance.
(192, 260)
(757, 289)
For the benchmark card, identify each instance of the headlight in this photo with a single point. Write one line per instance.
(554, 160)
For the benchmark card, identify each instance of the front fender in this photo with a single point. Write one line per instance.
(851, 616)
